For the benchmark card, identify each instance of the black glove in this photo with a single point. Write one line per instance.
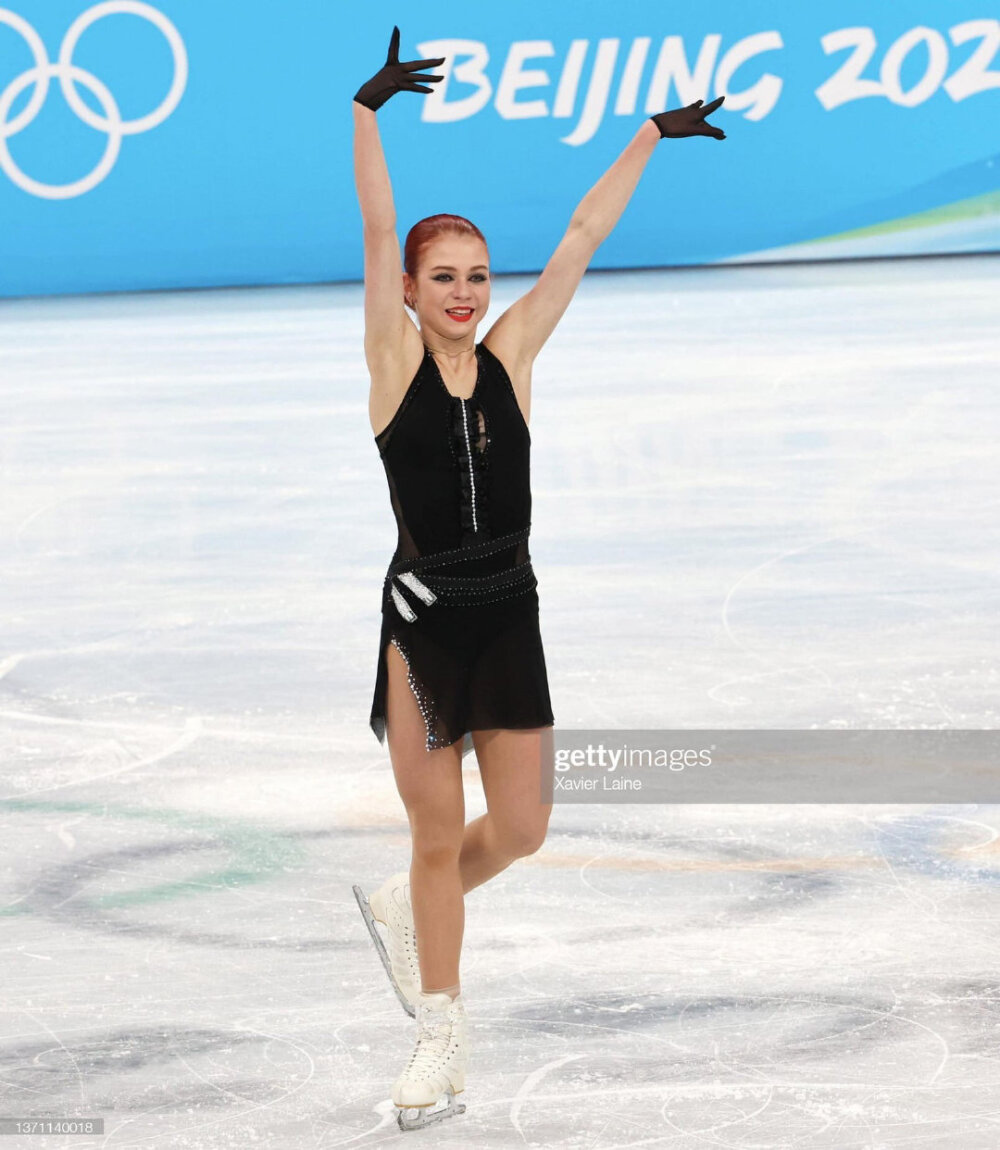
(689, 121)
(395, 77)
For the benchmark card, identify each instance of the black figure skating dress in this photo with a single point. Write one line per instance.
(459, 600)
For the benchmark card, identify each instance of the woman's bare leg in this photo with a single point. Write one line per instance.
(448, 857)
(430, 785)
(512, 765)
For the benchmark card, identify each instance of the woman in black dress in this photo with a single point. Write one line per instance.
(460, 662)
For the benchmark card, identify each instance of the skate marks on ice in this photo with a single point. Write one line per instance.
(184, 877)
(843, 1023)
(722, 554)
(783, 614)
(65, 750)
(91, 761)
(793, 1057)
(530, 1086)
(782, 1071)
(148, 1068)
(675, 978)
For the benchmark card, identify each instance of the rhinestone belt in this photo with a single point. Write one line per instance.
(458, 590)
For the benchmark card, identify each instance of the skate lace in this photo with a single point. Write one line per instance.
(434, 1035)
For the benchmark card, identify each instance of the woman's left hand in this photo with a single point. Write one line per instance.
(689, 121)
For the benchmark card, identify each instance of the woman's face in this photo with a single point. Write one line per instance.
(453, 274)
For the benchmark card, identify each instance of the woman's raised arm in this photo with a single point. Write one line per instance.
(371, 174)
(524, 327)
(601, 207)
(385, 317)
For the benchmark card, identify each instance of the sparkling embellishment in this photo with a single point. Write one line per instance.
(402, 606)
(418, 588)
(468, 449)
(459, 591)
(424, 701)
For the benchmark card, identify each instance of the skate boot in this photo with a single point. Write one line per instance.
(425, 1091)
(390, 905)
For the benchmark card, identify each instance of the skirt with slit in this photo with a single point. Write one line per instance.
(471, 665)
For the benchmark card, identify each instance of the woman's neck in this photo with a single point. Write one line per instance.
(454, 355)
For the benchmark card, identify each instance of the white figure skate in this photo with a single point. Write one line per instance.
(390, 905)
(425, 1091)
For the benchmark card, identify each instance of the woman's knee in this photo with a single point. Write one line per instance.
(522, 837)
(438, 848)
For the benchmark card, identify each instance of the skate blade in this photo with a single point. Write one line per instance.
(383, 954)
(417, 1117)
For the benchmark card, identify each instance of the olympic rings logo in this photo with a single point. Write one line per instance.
(69, 76)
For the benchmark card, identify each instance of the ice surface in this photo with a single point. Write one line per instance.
(763, 497)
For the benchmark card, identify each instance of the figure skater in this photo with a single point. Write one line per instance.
(460, 661)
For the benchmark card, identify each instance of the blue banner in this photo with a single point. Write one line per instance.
(189, 144)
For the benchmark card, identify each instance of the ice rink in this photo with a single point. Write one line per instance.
(764, 497)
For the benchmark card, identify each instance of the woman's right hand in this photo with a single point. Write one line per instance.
(395, 77)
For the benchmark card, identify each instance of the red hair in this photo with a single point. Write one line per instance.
(424, 232)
